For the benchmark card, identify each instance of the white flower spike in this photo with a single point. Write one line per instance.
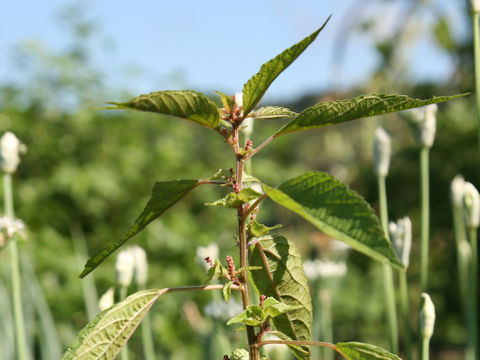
(140, 266)
(471, 201)
(457, 190)
(401, 235)
(475, 5)
(9, 227)
(382, 150)
(107, 299)
(425, 119)
(10, 150)
(427, 317)
(124, 267)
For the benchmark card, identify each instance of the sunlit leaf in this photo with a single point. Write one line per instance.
(185, 104)
(338, 111)
(256, 229)
(273, 112)
(164, 195)
(336, 210)
(283, 278)
(240, 354)
(360, 351)
(258, 84)
(109, 331)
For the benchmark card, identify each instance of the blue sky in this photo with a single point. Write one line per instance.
(218, 45)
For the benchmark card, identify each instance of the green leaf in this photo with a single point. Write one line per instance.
(230, 201)
(283, 278)
(217, 271)
(227, 100)
(248, 194)
(240, 354)
(256, 229)
(360, 351)
(253, 315)
(227, 290)
(336, 210)
(334, 112)
(106, 334)
(164, 195)
(258, 84)
(185, 104)
(273, 112)
(273, 308)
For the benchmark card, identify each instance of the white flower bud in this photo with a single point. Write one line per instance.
(381, 152)
(471, 202)
(239, 99)
(10, 150)
(107, 299)
(425, 119)
(401, 235)
(457, 190)
(9, 227)
(248, 127)
(475, 4)
(140, 264)
(124, 268)
(427, 316)
(203, 252)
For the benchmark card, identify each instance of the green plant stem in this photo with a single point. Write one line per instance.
(472, 235)
(388, 273)
(123, 296)
(147, 339)
(326, 322)
(425, 216)
(405, 311)
(476, 47)
(242, 238)
(22, 349)
(425, 348)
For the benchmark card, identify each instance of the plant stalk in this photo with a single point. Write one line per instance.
(388, 273)
(472, 235)
(425, 216)
(425, 348)
(405, 313)
(147, 339)
(242, 238)
(123, 296)
(476, 50)
(22, 348)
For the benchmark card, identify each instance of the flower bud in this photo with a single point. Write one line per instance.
(427, 317)
(457, 190)
(401, 235)
(425, 121)
(381, 152)
(475, 4)
(471, 202)
(10, 150)
(107, 299)
(140, 267)
(8, 228)
(124, 267)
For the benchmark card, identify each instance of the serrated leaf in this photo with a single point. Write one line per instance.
(256, 229)
(253, 316)
(336, 210)
(164, 195)
(273, 112)
(338, 111)
(248, 194)
(361, 351)
(217, 271)
(230, 200)
(106, 334)
(227, 290)
(257, 85)
(185, 104)
(227, 100)
(273, 308)
(240, 354)
(250, 178)
(283, 278)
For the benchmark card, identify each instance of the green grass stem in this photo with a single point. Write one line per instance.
(21, 341)
(388, 273)
(425, 216)
(473, 314)
(405, 314)
(476, 47)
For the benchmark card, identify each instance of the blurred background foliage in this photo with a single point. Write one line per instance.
(88, 172)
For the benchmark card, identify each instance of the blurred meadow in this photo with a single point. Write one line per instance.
(88, 172)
